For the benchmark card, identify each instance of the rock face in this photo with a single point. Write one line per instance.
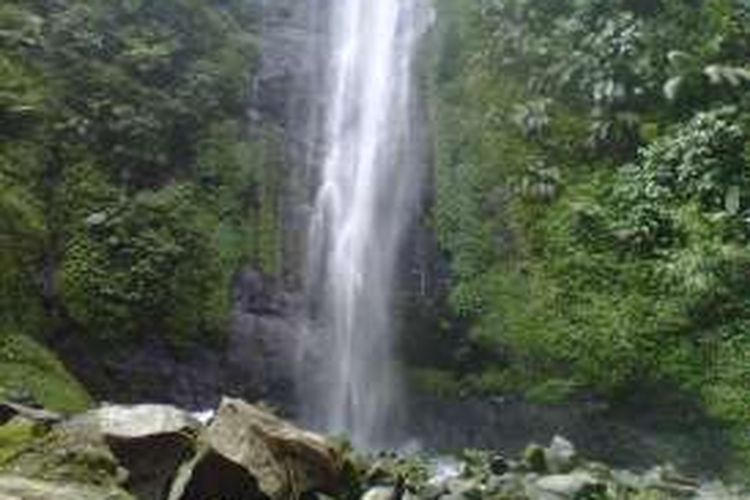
(263, 340)
(277, 459)
(254, 362)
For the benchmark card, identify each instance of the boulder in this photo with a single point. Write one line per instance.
(568, 487)
(260, 456)
(148, 441)
(19, 488)
(560, 456)
(136, 422)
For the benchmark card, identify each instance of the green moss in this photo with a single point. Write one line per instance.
(66, 457)
(29, 368)
(15, 436)
(535, 459)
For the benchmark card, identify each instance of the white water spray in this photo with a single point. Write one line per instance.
(369, 187)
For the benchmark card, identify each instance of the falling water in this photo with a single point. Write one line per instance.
(368, 187)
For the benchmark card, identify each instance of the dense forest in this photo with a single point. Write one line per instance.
(593, 196)
(589, 196)
(130, 186)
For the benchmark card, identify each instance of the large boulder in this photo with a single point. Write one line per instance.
(255, 454)
(138, 448)
(560, 456)
(148, 441)
(130, 423)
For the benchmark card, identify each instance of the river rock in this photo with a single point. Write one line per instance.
(719, 491)
(499, 465)
(534, 458)
(560, 456)
(666, 479)
(509, 485)
(18, 488)
(257, 455)
(9, 411)
(381, 493)
(568, 487)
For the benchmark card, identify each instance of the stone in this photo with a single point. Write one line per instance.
(627, 479)
(534, 458)
(560, 456)
(19, 488)
(381, 493)
(454, 496)
(568, 486)
(718, 491)
(96, 219)
(136, 422)
(433, 491)
(507, 485)
(148, 441)
(667, 480)
(499, 465)
(462, 487)
(260, 456)
(9, 411)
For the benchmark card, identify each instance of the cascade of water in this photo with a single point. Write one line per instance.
(368, 187)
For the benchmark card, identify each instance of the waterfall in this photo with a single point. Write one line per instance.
(368, 188)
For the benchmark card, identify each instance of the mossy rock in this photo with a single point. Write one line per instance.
(49, 457)
(534, 458)
(112, 448)
(15, 436)
(62, 456)
(21, 488)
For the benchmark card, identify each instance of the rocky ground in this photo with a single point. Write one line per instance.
(241, 452)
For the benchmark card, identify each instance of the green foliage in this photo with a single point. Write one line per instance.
(28, 368)
(152, 255)
(15, 436)
(132, 190)
(596, 227)
(702, 163)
